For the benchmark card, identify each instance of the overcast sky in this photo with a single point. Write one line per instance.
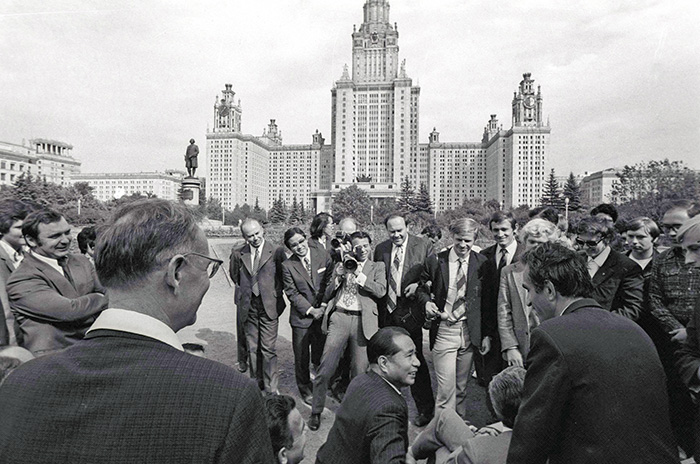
(129, 83)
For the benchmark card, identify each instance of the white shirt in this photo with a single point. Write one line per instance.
(642, 262)
(360, 279)
(599, 260)
(50, 261)
(125, 320)
(512, 248)
(15, 256)
(402, 257)
(452, 296)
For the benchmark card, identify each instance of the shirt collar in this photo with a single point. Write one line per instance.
(262, 245)
(14, 255)
(511, 248)
(50, 261)
(124, 320)
(391, 384)
(453, 258)
(602, 257)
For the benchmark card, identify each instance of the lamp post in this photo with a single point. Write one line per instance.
(566, 209)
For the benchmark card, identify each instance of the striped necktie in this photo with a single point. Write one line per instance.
(459, 307)
(256, 264)
(394, 281)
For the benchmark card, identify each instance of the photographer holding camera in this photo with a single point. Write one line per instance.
(351, 315)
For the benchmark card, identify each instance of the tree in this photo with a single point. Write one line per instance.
(572, 191)
(352, 201)
(422, 200)
(303, 214)
(550, 195)
(295, 213)
(278, 212)
(406, 197)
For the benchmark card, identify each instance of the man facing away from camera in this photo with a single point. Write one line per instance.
(595, 388)
(128, 392)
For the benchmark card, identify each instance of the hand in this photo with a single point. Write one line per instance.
(410, 290)
(431, 310)
(339, 270)
(678, 335)
(485, 346)
(488, 430)
(514, 357)
(410, 459)
(316, 313)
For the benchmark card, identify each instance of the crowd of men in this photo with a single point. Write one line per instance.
(585, 338)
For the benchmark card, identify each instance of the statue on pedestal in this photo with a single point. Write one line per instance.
(191, 158)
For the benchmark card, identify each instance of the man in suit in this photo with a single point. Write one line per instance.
(350, 319)
(582, 400)
(403, 256)
(688, 354)
(371, 425)
(256, 269)
(55, 295)
(505, 251)
(306, 275)
(453, 441)
(455, 303)
(618, 282)
(128, 392)
(12, 214)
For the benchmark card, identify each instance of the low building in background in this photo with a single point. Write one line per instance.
(597, 187)
(50, 160)
(107, 186)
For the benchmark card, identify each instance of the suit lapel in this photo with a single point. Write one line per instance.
(471, 271)
(52, 275)
(7, 262)
(301, 269)
(265, 254)
(245, 258)
(408, 256)
(444, 262)
(606, 270)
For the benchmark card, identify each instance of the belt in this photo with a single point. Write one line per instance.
(348, 312)
(449, 323)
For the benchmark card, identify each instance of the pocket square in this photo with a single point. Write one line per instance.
(321, 270)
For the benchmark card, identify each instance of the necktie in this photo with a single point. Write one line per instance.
(256, 264)
(394, 281)
(63, 262)
(307, 265)
(504, 259)
(592, 267)
(459, 307)
(349, 292)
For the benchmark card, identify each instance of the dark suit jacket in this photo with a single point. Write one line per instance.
(306, 292)
(408, 310)
(367, 297)
(334, 254)
(269, 279)
(117, 397)
(618, 286)
(492, 283)
(371, 425)
(436, 270)
(51, 313)
(595, 392)
(6, 268)
(490, 253)
(688, 354)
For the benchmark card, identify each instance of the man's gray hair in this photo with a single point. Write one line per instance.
(140, 237)
(506, 390)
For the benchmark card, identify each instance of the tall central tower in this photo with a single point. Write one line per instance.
(374, 112)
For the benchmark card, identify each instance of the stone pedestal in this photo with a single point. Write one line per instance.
(190, 190)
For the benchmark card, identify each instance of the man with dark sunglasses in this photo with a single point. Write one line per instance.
(129, 392)
(617, 280)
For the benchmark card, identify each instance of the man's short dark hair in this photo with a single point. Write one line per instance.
(382, 343)
(595, 225)
(318, 224)
(291, 232)
(361, 234)
(11, 211)
(432, 231)
(392, 216)
(646, 224)
(193, 348)
(30, 227)
(500, 216)
(86, 238)
(605, 208)
(277, 408)
(691, 206)
(141, 237)
(506, 391)
(561, 266)
(548, 213)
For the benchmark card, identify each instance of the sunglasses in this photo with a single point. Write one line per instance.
(671, 227)
(212, 266)
(588, 243)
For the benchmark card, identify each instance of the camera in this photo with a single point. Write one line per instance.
(341, 238)
(349, 262)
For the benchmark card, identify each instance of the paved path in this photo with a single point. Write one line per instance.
(216, 329)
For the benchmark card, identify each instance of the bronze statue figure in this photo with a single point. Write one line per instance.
(191, 158)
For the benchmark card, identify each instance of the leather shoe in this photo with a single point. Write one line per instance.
(242, 366)
(422, 420)
(314, 422)
(308, 398)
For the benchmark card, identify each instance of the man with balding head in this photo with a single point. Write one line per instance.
(128, 392)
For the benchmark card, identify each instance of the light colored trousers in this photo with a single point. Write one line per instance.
(452, 359)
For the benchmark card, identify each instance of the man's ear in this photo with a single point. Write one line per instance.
(282, 456)
(550, 291)
(31, 243)
(173, 275)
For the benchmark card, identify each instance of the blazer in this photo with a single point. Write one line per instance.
(490, 253)
(6, 318)
(269, 279)
(52, 313)
(618, 286)
(118, 397)
(595, 391)
(492, 285)
(513, 324)
(335, 255)
(436, 270)
(306, 292)
(688, 354)
(367, 297)
(408, 310)
(371, 425)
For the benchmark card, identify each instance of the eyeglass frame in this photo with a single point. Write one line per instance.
(588, 243)
(216, 262)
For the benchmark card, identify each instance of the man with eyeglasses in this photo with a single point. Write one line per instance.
(618, 282)
(674, 287)
(129, 392)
